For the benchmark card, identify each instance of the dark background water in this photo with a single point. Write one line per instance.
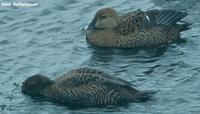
(49, 39)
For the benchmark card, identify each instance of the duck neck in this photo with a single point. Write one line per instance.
(47, 86)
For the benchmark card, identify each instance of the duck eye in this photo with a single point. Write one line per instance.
(103, 17)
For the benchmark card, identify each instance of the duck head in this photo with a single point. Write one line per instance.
(34, 85)
(106, 18)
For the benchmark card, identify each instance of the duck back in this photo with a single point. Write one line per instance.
(91, 87)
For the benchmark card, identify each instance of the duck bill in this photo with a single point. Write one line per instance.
(91, 26)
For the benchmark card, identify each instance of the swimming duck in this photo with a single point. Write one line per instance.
(135, 29)
(85, 87)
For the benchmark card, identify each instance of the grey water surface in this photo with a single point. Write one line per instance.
(49, 39)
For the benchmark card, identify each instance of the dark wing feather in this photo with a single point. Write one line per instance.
(132, 22)
(93, 94)
(170, 17)
(140, 20)
(87, 75)
(90, 87)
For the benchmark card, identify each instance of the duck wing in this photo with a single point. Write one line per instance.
(94, 94)
(141, 20)
(83, 76)
(131, 22)
(90, 87)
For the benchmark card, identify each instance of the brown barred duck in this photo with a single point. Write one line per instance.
(135, 29)
(84, 87)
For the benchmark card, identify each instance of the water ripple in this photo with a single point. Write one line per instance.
(49, 39)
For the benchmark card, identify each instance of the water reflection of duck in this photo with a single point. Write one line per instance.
(85, 86)
(135, 29)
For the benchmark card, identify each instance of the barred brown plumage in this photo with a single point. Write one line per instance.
(84, 86)
(135, 29)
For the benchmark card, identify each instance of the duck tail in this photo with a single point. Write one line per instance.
(169, 18)
(143, 96)
(184, 26)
